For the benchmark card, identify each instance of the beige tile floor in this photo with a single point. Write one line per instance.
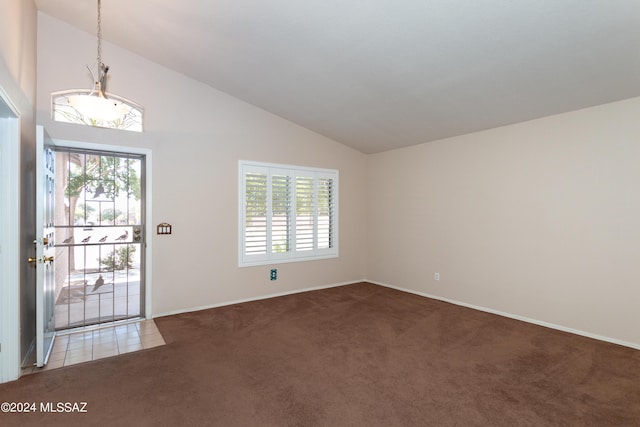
(78, 347)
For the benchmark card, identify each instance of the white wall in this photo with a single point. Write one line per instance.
(539, 219)
(197, 135)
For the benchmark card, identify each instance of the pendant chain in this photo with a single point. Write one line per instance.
(99, 36)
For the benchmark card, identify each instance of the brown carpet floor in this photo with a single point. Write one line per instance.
(357, 355)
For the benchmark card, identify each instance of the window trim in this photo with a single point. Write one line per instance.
(293, 255)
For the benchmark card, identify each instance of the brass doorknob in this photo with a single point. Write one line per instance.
(31, 260)
(45, 258)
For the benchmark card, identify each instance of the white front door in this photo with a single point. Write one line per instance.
(45, 240)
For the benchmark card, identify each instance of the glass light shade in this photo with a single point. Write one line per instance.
(98, 108)
(87, 107)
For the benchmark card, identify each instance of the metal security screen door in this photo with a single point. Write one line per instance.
(100, 237)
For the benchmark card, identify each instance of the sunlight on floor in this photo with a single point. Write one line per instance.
(79, 347)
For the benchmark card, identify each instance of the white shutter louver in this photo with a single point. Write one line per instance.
(325, 213)
(280, 213)
(255, 213)
(305, 223)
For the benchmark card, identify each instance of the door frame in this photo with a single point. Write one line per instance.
(147, 152)
(10, 238)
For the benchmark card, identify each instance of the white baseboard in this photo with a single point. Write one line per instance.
(258, 298)
(513, 316)
(422, 294)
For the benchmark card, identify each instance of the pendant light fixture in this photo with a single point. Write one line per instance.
(96, 106)
(93, 107)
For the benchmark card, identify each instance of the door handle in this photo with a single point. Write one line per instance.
(44, 259)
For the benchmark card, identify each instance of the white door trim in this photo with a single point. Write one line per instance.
(149, 230)
(10, 240)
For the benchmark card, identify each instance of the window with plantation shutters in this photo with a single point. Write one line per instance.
(287, 213)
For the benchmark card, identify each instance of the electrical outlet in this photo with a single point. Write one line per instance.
(436, 276)
(273, 275)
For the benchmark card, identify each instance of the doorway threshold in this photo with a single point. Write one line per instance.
(88, 344)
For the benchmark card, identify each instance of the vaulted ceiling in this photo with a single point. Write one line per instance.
(383, 74)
